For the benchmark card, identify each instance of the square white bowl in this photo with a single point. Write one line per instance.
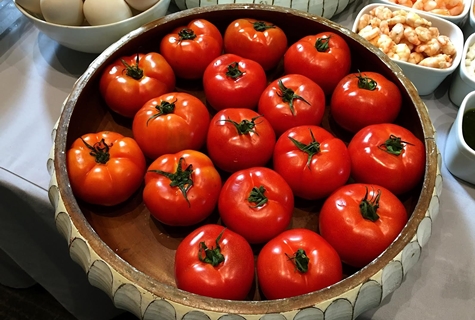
(462, 81)
(459, 158)
(425, 79)
(458, 19)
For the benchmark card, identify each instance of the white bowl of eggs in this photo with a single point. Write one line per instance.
(91, 25)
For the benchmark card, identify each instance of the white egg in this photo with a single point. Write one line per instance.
(99, 12)
(31, 5)
(141, 5)
(65, 12)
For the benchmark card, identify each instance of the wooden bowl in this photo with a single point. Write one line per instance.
(130, 256)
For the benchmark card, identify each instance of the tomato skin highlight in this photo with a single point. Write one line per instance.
(170, 123)
(354, 107)
(124, 94)
(326, 67)
(314, 176)
(232, 151)
(277, 274)
(168, 203)
(224, 91)
(372, 163)
(108, 183)
(307, 106)
(257, 40)
(231, 279)
(357, 240)
(190, 49)
(241, 212)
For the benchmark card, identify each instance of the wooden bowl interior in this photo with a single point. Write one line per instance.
(142, 249)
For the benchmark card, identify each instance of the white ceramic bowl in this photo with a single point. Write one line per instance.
(469, 26)
(458, 19)
(459, 157)
(94, 39)
(462, 82)
(425, 79)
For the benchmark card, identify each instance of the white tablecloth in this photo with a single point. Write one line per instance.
(36, 76)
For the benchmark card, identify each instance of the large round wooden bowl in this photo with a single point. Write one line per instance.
(130, 256)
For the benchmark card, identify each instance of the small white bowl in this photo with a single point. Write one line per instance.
(462, 82)
(458, 156)
(95, 39)
(425, 79)
(458, 19)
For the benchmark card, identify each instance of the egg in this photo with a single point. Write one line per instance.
(141, 5)
(31, 5)
(64, 12)
(100, 12)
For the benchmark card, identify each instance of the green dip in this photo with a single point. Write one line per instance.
(468, 128)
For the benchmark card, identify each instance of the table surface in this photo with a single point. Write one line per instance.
(36, 76)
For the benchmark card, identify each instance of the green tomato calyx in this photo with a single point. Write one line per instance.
(368, 207)
(310, 149)
(262, 26)
(288, 96)
(257, 196)
(366, 83)
(322, 44)
(164, 107)
(186, 34)
(233, 71)
(133, 71)
(100, 150)
(211, 255)
(245, 126)
(300, 260)
(394, 145)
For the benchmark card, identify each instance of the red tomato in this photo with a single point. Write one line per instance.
(189, 49)
(233, 82)
(388, 155)
(312, 161)
(360, 221)
(362, 99)
(297, 261)
(170, 123)
(257, 203)
(181, 189)
(325, 58)
(291, 101)
(215, 262)
(239, 138)
(129, 82)
(258, 40)
(105, 168)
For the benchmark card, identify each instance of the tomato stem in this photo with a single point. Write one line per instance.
(245, 126)
(257, 196)
(186, 34)
(310, 149)
(288, 96)
(210, 255)
(180, 179)
(366, 83)
(100, 150)
(133, 71)
(394, 145)
(233, 71)
(322, 44)
(262, 26)
(368, 207)
(300, 260)
(164, 107)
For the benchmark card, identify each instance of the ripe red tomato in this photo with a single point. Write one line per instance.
(189, 49)
(257, 203)
(290, 101)
(362, 99)
(233, 82)
(325, 58)
(239, 138)
(181, 189)
(360, 221)
(170, 123)
(388, 155)
(105, 168)
(215, 262)
(258, 40)
(297, 261)
(312, 161)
